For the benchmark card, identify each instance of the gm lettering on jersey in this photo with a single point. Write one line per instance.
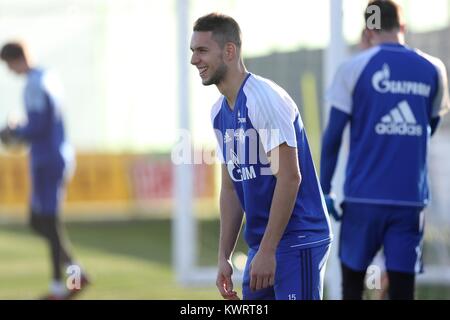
(244, 156)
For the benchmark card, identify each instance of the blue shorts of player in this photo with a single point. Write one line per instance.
(46, 189)
(299, 275)
(367, 227)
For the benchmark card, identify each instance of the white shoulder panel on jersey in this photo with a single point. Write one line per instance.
(441, 102)
(271, 111)
(214, 112)
(339, 94)
(35, 100)
(53, 87)
(216, 108)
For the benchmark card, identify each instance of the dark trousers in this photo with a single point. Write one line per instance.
(401, 284)
(49, 227)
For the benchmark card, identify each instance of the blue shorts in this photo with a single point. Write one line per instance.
(366, 228)
(299, 275)
(46, 189)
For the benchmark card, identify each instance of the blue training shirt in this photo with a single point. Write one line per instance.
(391, 93)
(44, 129)
(263, 118)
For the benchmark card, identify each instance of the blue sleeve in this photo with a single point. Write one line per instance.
(37, 126)
(331, 143)
(434, 123)
(37, 106)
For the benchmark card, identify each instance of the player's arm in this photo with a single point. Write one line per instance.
(38, 114)
(339, 97)
(331, 143)
(36, 127)
(441, 102)
(284, 165)
(231, 215)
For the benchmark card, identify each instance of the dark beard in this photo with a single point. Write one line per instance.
(218, 76)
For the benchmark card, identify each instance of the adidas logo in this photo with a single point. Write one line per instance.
(400, 121)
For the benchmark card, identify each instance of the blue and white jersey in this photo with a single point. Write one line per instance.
(264, 117)
(44, 129)
(391, 93)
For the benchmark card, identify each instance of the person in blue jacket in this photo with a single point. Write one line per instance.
(393, 96)
(51, 161)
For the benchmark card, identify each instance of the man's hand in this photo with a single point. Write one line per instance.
(6, 136)
(262, 270)
(329, 200)
(224, 282)
(9, 138)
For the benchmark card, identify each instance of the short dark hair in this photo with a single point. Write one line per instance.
(224, 28)
(391, 14)
(12, 51)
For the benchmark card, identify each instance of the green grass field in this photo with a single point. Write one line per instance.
(127, 260)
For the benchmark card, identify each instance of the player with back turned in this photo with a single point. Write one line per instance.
(393, 96)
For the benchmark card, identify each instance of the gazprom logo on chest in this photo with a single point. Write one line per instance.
(381, 82)
(238, 173)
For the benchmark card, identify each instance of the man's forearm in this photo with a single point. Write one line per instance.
(331, 144)
(231, 216)
(283, 202)
(36, 127)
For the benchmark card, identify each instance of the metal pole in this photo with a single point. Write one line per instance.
(183, 224)
(334, 55)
